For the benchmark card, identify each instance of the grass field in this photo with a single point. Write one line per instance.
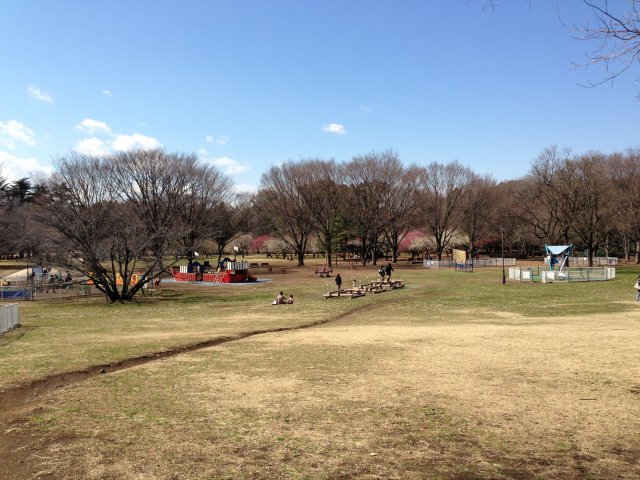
(455, 376)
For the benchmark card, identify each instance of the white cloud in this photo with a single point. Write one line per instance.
(88, 125)
(92, 146)
(106, 92)
(334, 128)
(136, 141)
(38, 94)
(365, 109)
(15, 168)
(202, 152)
(229, 165)
(245, 188)
(13, 130)
(221, 140)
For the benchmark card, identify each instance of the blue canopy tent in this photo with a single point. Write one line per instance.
(558, 254)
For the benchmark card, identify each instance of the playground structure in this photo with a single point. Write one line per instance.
(227, 271)
(558, 255)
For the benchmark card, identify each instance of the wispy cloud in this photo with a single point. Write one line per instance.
(124, 143)
(38, 94)
(228, 165)
(91, 126)
(15, 168)
(334, 128)
(106, 92)
(12, 131)
(365, 109)
(220, 140)
(92, 146)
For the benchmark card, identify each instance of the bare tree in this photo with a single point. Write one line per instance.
(202, 208)
(113, 216)
(479, 209)
(91, 232)
(616, 28)
(281, 197)
(369, 179)
(584, 196)
(231, 220)
(537, 197)
(319, 185)
(403, 205)
(443, 188)
(625, 175)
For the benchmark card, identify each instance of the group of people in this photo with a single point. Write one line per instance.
(385, 272)
(57, 281)
(280, 300)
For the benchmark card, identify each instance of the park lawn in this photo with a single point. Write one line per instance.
(57, 337)
(455, 376)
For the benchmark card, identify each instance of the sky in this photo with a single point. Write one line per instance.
(248, 84)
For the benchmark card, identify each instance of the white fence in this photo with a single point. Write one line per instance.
(597, 261)
(482, 262)
(9, 317)
(521, 274)
(587, 274)
(579, 274)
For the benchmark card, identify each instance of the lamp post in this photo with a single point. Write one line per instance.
(502, 238)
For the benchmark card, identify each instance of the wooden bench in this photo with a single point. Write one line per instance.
(351, 293)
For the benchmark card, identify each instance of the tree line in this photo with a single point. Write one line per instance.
(107, 217)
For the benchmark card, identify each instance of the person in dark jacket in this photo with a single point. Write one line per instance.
(388, 271)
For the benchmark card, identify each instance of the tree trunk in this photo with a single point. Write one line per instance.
(626, 246)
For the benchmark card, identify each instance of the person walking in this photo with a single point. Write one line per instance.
(339, 282)
(637, 287)
(388, 271)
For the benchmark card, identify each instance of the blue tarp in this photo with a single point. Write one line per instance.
(559, 249)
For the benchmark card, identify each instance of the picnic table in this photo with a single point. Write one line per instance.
(350, 293)
(324, 272)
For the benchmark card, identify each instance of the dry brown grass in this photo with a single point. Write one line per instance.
(391, 392)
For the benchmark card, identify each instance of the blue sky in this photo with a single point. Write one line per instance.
(249, 84)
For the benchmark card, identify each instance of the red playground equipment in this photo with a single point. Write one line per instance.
(227, 271)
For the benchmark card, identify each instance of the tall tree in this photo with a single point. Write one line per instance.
(583, 190)
(625, 175)
(403, 205)
(171, 194)
(231, 220)
(112, 216)
(537, 200)
(281, 196)
(319, 185)
(443, 188)
(479, 209)
(369, 181)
